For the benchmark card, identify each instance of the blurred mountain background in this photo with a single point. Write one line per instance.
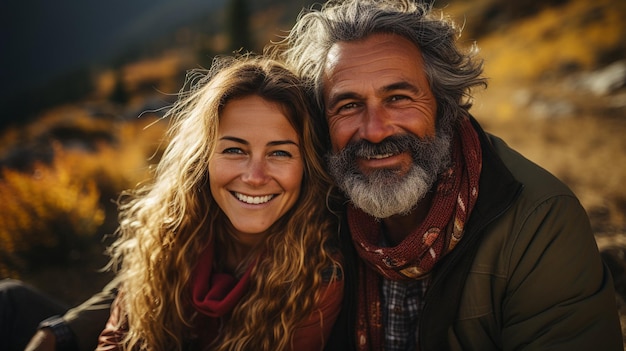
(85, 85)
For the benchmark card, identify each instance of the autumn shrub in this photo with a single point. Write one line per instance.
(45, 214)
(52, 209)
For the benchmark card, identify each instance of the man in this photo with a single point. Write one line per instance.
(458, 242)
(23, 307)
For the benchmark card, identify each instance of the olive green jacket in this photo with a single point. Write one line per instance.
(527, 274)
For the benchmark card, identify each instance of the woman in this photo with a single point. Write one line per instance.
(229, 248)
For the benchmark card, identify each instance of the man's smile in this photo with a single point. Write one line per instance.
(399, 161)
(378, 157)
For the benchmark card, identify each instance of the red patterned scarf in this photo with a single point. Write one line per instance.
(454, 198)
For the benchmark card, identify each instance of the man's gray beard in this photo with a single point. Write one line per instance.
(384, 193)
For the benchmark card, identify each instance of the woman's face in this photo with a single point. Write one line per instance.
(257, 169)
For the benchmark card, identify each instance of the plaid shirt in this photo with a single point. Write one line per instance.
(402, 304)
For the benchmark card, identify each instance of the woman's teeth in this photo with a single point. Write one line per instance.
(255, 200)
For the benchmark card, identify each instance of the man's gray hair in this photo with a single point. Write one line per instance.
(452, 73)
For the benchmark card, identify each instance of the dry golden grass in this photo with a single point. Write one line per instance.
(577, 35)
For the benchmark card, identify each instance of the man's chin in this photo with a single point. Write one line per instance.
(386, 193)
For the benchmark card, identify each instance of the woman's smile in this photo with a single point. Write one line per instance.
(254, 200)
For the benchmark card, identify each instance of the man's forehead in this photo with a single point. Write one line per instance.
(346, 51)
(380, 59)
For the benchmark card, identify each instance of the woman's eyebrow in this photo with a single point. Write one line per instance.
(281, 142)
(235, 139)
(271, 143)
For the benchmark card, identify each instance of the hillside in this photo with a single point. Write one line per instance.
(557, 94)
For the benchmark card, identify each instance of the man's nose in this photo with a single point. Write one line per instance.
(376, 125)
(256, 172)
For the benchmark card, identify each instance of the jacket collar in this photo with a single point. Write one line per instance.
(497, 191)
(498, 188)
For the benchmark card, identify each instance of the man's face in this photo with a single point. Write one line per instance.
(381, 115)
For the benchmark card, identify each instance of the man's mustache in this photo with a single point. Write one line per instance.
(394, 144)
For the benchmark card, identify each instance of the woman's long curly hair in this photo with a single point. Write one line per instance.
(451, 72)
(166, 224)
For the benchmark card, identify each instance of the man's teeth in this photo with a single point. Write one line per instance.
(378, 157)
(253, 199)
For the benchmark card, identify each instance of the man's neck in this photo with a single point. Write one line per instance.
(397, 227)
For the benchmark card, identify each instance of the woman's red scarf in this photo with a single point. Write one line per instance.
(455, 195)
(216, 294)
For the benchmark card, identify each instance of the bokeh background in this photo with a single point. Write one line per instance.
(84, 86)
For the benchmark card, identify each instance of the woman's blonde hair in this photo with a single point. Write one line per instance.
(166, 224)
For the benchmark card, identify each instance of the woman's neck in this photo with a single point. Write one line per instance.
(237, 254)
(236, 259)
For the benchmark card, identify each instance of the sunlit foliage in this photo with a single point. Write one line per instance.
(45, 212)
(51, 209)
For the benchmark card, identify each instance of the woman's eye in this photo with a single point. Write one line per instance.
(233, 150)
(281, 153)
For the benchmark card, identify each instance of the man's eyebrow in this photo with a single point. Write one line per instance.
(400, 86)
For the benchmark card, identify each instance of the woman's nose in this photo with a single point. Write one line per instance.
(256, 173)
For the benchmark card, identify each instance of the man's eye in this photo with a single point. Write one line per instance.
(398, 98)
(347, 106)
